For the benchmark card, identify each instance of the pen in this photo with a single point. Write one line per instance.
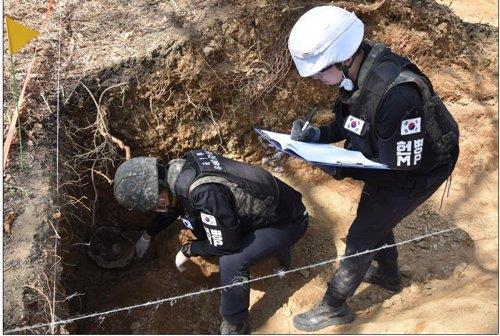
(309, 118)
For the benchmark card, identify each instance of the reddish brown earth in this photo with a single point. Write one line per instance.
(202, 75)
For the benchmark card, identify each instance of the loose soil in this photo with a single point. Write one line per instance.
(201, 75)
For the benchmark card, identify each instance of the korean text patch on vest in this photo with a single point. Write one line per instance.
(214, 237)
(208, 219)
(409, 153)
(187, 223)
(208, 160)
(411, 126)
(354, 124)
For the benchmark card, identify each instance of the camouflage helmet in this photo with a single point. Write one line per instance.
(136, 184)
(175, 167)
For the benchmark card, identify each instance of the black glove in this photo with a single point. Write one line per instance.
(186, 250)
(335, 172)
(310, 134)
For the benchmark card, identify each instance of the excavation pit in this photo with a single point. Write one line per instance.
(207, 87)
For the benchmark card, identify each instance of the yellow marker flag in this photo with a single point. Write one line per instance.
(18, 35)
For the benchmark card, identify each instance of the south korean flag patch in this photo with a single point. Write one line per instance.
(187, 223)
(208, 219)
(411, 126)
(354, 124)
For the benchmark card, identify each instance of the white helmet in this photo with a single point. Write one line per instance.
(323, 36)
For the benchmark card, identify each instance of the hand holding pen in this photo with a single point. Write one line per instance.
(309, 118)
(303, 131)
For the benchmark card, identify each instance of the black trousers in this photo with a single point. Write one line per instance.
(258, 245)
(379, 211)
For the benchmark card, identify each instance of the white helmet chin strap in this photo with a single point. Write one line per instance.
(346, 83)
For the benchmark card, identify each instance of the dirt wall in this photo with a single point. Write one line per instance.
(202, 75)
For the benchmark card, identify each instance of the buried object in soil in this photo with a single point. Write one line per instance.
(110, 248)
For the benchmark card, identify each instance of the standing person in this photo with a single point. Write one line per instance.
(237, 212)
(386, 109)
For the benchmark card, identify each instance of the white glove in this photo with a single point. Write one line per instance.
(180, 259)
(141, 246)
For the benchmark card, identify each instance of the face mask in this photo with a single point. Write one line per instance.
(165, 209)
(163, 206)
(346, 83)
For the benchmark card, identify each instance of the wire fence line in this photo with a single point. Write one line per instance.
(173, 300)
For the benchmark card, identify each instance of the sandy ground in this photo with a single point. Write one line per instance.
(482, 11)
(450, 283)
(453, 283)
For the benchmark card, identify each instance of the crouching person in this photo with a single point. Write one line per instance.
(238, 212)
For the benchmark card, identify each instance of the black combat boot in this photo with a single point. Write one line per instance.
(285, 259)
(227, 328)
(375, 275)
(323, 315)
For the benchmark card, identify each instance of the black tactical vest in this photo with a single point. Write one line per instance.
(254, 189)
(380, 71)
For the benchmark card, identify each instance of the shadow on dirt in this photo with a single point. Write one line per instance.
(278, 290)
(155, 277)
(438, 257)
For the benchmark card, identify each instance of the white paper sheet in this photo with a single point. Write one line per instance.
(325, 154)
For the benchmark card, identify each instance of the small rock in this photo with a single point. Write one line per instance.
(288, 312)
(207, 50)
(459, 270)
(278, 169)
(461, 267)
(406, 271)
(7, 177)
(414, 288)
(304, 273)
(423, 245)
(29, 143)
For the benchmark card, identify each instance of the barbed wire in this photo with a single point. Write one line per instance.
(173, 300)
